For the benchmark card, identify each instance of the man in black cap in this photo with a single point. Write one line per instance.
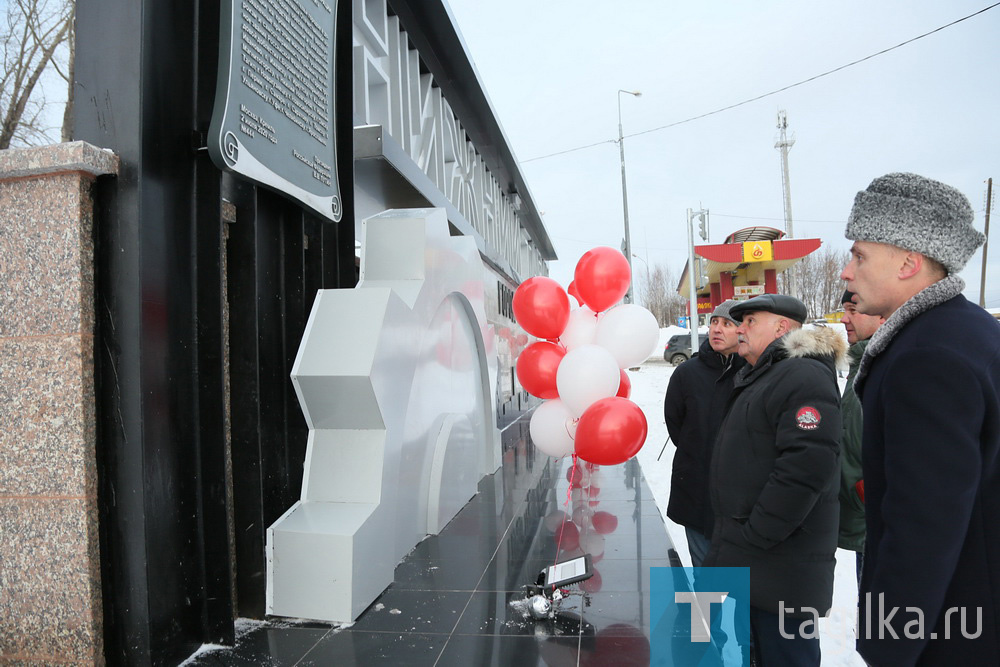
(929, 383)
(693, 407)
(775, 474)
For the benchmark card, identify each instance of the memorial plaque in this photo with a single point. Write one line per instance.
(273, 120)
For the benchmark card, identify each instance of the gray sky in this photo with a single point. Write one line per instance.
(552, 69)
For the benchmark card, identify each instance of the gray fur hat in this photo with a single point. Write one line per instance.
(722, 310)
(916, 214)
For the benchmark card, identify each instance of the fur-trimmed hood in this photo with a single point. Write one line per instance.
(817, 341)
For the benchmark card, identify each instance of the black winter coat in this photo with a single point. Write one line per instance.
(693, 408)
(776, 472)
(931, 457)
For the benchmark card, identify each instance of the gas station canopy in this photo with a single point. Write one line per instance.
(746, 264)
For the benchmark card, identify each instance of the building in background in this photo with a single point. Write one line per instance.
(746, 264)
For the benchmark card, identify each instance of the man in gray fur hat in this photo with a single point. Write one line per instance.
(929, 383)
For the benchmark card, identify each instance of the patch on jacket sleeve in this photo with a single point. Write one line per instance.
(807, 418)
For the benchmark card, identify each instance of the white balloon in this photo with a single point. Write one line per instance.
(549, 428)
(592, 543)
(554, 519)
(629, 332)
(580, 330)
(586, 374)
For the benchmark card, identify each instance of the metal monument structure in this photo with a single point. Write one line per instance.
(207, 272)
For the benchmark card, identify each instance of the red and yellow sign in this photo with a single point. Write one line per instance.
(758, 251)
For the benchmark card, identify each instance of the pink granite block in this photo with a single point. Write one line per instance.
(47, 437)
(50, 599)
(46, 256)
(74, 156)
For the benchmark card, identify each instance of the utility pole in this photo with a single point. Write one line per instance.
(784, 144)
(986, 231)
(627, 243)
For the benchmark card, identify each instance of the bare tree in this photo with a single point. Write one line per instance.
(36, 37)
(68, 75)
(819, 283)
(658, 294)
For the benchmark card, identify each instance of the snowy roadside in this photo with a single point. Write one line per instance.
(649, 384)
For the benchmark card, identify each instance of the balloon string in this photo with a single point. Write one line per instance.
(572, 476)
(562, 526)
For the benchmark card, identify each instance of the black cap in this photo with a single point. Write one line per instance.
(779, 304)
(847, 298)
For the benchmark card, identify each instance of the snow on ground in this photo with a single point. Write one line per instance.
(649, 384)
(244, 626)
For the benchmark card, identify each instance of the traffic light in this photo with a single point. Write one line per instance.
(703, 225)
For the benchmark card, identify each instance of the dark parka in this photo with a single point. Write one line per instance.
(931, 460)
(693, 407)
(776, 470)
(852, 508)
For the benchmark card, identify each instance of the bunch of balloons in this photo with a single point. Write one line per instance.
(578, 367)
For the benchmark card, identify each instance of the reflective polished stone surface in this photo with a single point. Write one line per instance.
(451, 599)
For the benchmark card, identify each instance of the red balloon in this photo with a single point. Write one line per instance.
(567, 536)
(602, 278)
(604, 522)
(611, 431)
(594, 584)
(574, 292)
(536, 368)
(618, 645)
(541, 306)
(624, 384)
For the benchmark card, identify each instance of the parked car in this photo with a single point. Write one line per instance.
(678, 349)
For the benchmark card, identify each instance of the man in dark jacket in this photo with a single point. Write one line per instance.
(929, 383)
(859, 328)
(693, 408)
(775, 476)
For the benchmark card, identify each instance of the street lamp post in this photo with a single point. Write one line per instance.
(621, 151)
(692, 286)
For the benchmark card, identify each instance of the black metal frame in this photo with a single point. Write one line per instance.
(145, 83)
